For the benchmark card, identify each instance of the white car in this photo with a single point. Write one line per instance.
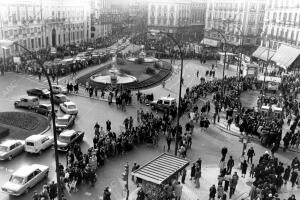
(59, 89)
(38, 143)
(10, 149)
(25, 178)
(69, 108)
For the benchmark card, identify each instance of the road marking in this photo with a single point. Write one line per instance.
(10, 170)
(88, 194)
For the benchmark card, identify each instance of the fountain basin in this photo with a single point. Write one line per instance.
(106, 79)
(146, 59)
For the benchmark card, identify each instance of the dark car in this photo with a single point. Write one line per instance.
(67, 138)
(60, 98)
(39, 92)
(44, 109)
(64, 122)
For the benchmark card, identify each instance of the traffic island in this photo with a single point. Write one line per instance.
(21, 125)
(127, 75)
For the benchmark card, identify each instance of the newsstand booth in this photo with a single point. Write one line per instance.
(154, 175)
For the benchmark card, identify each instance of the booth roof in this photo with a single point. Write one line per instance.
(160, 169)
(285, 56)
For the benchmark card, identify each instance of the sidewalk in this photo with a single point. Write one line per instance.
(210, 177)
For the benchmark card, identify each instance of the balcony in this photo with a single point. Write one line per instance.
(55, 20)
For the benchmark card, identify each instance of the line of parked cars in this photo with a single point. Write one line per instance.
(28, 176)
(31, 102)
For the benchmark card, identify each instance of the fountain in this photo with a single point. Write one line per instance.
(114, 76)
(143, 55)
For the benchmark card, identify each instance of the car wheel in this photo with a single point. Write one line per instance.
(26, 191)
(10, 157)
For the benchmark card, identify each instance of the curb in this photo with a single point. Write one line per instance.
(46, 130)
(252, 138)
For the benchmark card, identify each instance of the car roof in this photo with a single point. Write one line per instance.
(67, 133)
(45, 104)
(35, 137)
(29, 97)
(60, 95)
(167, 98)
(26, 170)
(63, 116)
(69, 103)
(8, 143)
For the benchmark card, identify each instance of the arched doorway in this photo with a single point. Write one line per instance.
(54, 37)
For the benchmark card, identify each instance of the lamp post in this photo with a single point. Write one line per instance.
(180, 83)
(266, 68)
(225, 57)
(7, 43)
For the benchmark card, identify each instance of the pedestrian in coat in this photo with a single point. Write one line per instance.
(286, 175)
(294, 176)
(52, 190)
(178, 190)
(193, 168)
(106, 194)
(230, 164)
(253, 193)
(244, 167)
(212, 192)
(220, 190)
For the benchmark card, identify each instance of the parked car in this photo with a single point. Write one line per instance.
(69, 108)
(44, 109)
(25, 178)
(10, 149)
(39, 92)
(59, 89)
(64, 122)
(37, 143)
(60, 98)
(163, 103)
(67, 138)
(28, 102)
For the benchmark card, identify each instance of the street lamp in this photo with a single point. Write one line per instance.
(225, 57)
(180, 83)
(8, 43)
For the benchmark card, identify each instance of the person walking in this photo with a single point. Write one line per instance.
(212, 192)
(233, 183)
(197, 176)
(230, 164)
(106, 194)
(286, 175)
(220, 190)
(294, 176)
(178, 190)
(250, 154)
(244, 167)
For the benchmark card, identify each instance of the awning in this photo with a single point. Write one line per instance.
(210, 42)
(262, 53)
(160, 169)
(285, 56)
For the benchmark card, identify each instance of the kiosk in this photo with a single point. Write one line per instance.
(154, 175)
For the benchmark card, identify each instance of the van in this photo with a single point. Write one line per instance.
(29, 102)
(37, 143)
(163, 103)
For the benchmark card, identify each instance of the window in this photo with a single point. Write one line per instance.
(45, 139)
(30, 176)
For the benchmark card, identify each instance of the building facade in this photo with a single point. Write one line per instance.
(101, 26)
(281, 23)
(176, 16)
(45, 23)
(239, 21)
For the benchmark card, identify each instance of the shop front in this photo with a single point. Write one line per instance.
(154, 175)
